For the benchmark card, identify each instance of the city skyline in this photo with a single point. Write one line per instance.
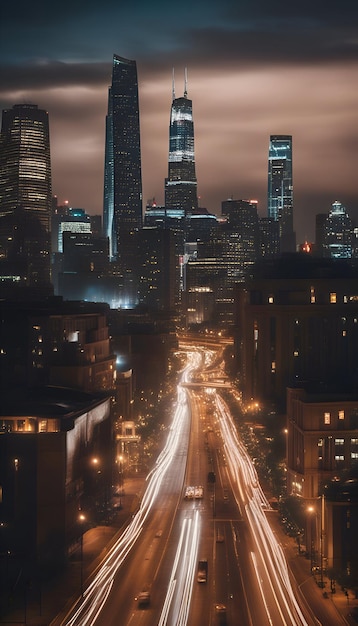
(252, 72)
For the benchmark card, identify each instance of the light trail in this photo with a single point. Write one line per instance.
(96, 594)
(177, 601)
(273, 561)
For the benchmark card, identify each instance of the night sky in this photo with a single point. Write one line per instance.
(255, 68)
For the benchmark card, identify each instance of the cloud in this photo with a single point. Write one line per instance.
(255, 68)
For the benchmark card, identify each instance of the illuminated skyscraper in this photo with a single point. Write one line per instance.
(280, 189)
(25, 193)
(181, 183)
(338, 233)
(122, 210)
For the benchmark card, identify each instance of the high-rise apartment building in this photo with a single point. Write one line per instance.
(181, 183)
(25, 193)
(280, 189)
(122, 210)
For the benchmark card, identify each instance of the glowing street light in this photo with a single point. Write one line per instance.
(81, 519)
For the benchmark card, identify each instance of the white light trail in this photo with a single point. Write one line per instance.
(96, 594)
(272, 558)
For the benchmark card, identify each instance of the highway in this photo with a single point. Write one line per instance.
(248, 582)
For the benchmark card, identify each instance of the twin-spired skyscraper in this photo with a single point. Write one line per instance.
(181, 183)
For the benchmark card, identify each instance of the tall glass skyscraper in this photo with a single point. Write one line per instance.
(280, 189)
(122, 209)
(181, 183)
(25, 193)
(25, 166)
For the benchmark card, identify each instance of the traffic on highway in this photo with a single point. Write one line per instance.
(200, 549)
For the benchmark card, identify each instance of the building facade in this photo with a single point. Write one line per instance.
(49, 440)
(297, 321)
(322, 446)
(60, 343)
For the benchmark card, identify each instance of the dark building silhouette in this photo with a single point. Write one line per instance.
(158, 268)
(269, 235)
(56, 342)
(122, 210)
(297, 321)
(49, 439)
(181, 183)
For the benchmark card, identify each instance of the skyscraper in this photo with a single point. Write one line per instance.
(122, 210)
(280, 189)
(25, 193)
(338, 233)
(181, 183)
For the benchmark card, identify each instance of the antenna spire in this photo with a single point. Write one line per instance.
(173, 85)
(185, 82)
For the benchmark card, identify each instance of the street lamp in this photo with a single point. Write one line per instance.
(310, 535)
(121, 478)
(322, 536)
(81, 519)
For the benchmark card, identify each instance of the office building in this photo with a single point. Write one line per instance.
(242, 237)
(338, 233)
(269, 237)
(280, 189)
(75, 221)
(158, 269)
(25, 196)
(122, 210)
(181, 183)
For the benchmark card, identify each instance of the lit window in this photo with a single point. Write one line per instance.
(344, 333)
(320, 449)
(273, 367)
(270, 299)
(327, 418)
(313, 296)
(341, 415)
(295, 353)
(354, 455)
(42, 426)
(333, 298)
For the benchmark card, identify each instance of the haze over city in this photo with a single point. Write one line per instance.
(253, 70)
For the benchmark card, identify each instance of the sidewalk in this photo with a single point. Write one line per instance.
(41, 607)
(344, 601)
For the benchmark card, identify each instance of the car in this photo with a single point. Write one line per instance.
(144, 598)
(220, 610)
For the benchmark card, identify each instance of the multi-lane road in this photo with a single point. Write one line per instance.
(248, 580)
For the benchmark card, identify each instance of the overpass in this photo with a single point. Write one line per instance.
(215, 384)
